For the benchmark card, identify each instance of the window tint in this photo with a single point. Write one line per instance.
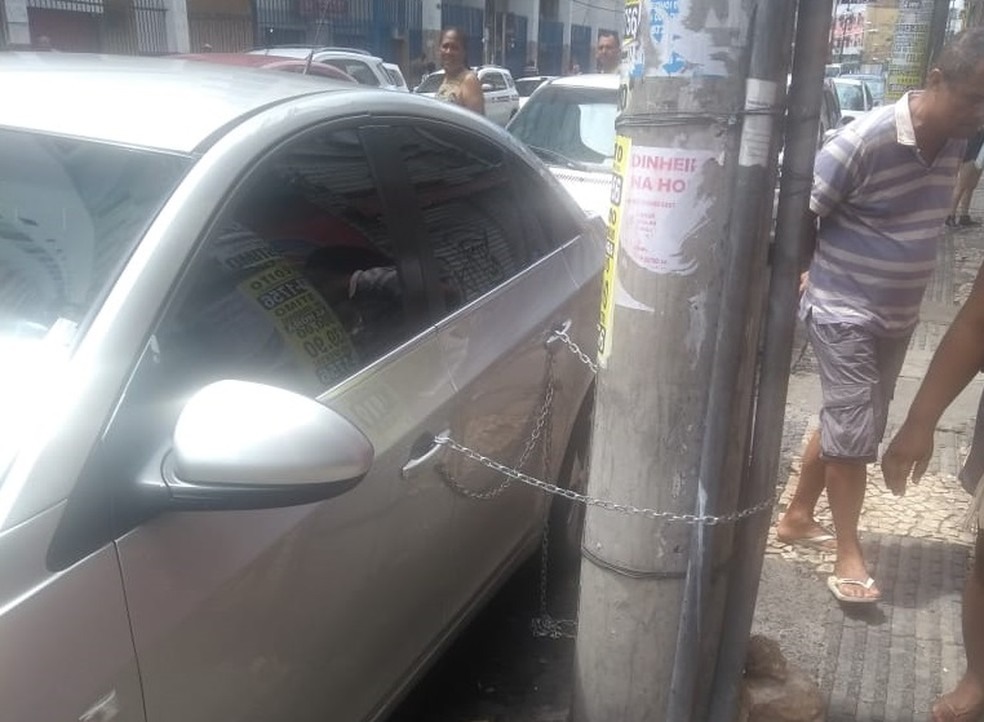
(480, 228)
(298, 285)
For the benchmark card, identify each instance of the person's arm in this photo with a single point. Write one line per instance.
(956, 361)
(808, 244)
(470, 94)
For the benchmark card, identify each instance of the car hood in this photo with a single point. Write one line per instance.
(591, 190)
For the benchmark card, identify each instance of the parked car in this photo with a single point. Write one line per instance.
(875, 83)
(854, 98)
(498, 87)
(361, 65)
(396, 75)
(526, 85)
(272, 62)
(237, 308)
(570, 124)
(831, 117)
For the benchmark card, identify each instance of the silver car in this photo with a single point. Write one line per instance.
(237, 309)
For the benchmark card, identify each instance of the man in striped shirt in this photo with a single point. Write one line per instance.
(882, 189)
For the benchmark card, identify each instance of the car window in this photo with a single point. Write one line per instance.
(850, 96)
(297, 285)
(71, 213)
(509, 81)
(527, 86)
(495, 80)
(577, 123)
(356, 68)
(431, 83)
(480, 225)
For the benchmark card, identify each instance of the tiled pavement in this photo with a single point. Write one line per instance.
(889, 661)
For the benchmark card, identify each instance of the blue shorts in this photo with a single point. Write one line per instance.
(858, 371)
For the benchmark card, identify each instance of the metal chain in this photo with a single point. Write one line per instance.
(539, 423)
(708, 519)
(561, 333)
(543, 624)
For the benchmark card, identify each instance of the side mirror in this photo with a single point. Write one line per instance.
(243, 445)
(486, 88)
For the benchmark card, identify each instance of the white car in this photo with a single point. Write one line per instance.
(360, 64)
(570, 124)
(498, 87)
(397, 76)
(526, 85)
(855, 98)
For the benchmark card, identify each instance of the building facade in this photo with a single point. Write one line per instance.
(555, 35)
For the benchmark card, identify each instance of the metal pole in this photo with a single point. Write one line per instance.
(724, 445)
(677, 158)
(937, 33)
(802, 130)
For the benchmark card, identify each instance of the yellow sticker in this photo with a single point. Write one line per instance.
(304, 321)
(608, 280)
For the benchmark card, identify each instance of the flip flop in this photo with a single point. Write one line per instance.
(825, 541)
(834, 583)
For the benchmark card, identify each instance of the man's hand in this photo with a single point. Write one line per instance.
(907, 455)
(804, 281)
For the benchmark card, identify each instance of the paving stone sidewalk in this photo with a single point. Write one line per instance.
(887, 661)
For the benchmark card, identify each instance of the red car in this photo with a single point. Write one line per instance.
(272, 62)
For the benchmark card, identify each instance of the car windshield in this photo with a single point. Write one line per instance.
(71, 213)
(850, 96)
(526, 86)
(876, 85)
(431, 83)
(576, 123)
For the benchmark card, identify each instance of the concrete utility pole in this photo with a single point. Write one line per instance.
(687, 244)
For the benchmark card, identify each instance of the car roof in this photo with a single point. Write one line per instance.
(590, 80)
(302, 52)
(848, 80)
(272, 49)
(141, 101)
(271, 62)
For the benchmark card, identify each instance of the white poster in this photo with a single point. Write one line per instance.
(664, 205)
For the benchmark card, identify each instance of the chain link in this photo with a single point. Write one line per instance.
(708, 519)
(562, 334)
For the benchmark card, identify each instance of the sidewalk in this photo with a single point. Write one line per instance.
(887, 661)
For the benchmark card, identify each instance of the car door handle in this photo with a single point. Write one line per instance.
(558, 329)
(432, 451)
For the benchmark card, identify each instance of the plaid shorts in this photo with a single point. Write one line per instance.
(858, 371)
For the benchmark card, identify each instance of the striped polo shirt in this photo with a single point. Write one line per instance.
(881, 209)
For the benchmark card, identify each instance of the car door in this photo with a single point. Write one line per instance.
(312, 612)
(492, 232)
(496, 97)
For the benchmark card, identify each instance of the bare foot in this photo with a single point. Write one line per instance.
(964, 704)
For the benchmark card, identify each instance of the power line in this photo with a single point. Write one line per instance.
(583, 3)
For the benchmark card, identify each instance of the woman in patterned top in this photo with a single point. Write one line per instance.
(461, 85)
